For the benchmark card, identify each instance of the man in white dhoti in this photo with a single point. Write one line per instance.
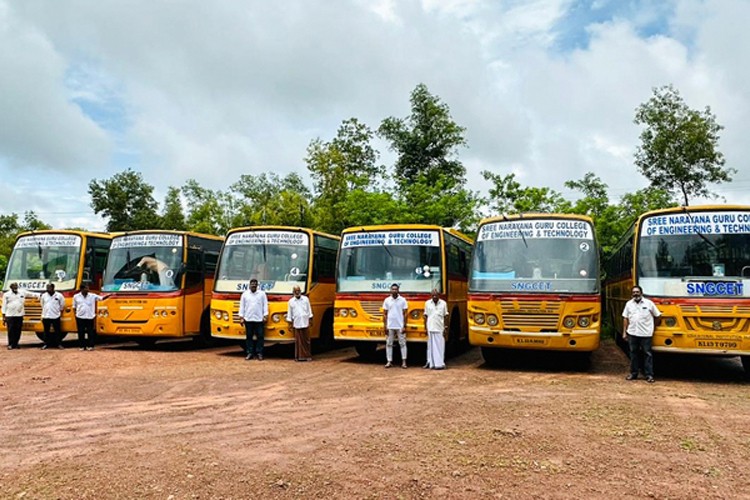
(435, 312)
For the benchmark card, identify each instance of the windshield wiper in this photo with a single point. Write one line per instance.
(520, 216)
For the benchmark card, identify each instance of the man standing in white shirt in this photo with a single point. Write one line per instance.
(253, 315)
(84, 305)
(395, 309)
(13, 312)
(299, 315)
(53, 304)
(435, 312)
(638, 330)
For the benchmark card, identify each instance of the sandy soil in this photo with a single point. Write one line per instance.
(177, 422)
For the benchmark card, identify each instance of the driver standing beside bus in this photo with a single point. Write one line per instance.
(639, 318)
(253, 315)
(395, 308)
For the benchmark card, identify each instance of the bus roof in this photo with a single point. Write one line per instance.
(535, 215)
(281, 228)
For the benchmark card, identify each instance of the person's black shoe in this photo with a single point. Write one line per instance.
(260, 357)
(632, 376)
(650, 380)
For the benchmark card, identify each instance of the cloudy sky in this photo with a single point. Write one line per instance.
(211, 90)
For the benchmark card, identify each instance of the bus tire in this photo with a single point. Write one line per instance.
(204, 338)
(366, 350)
(493, 356)
(325, 337)
(454, 334)
(746, 365)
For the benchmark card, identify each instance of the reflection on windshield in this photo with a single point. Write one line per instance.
(535, 265)
(375, 268)
(278, 268)
(143, 269)
(32, 268)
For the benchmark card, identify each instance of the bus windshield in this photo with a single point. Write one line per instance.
(45, 258)
(695, 254)
(144, 262)
(277, 259)
(373, 261)
(535, 256)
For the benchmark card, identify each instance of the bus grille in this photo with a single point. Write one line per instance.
(236, 312)
(32, 311)
(711, 317)
(530, 315)
(715, 309)
(372, 307)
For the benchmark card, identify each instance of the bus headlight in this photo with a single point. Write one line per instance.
(156, 314)
(353, 313)
(164, 313)
(344, 313)
(492, 320)
(103, 313)
(584, 321)
(569, 322)
(225, 316)
(479, 318)
(416, 313)
(217, 314)
(275, 318)
(670, 321)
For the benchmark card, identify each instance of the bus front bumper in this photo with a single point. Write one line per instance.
(579, 340)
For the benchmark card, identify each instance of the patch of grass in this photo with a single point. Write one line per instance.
(691, 444)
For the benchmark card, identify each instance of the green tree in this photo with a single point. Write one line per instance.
(679, 146)
(271, 199)
(428, 173)
(173, 217)
(339, 168)
(208, 210)
(506, 195)
(126, 200)
(10, 227)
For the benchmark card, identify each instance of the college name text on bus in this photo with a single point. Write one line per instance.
(280, 258)
(693, 263)
(67, 259)
(159, 285)
(419, 258)
(534, 284)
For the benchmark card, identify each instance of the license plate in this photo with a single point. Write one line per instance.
(129, 330)
(529, 341)
(375, 333)
(716, 344)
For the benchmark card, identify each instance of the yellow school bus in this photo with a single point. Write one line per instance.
(535, 285)
(417, 257)
(280, 258)
(159, 285)
(692, 263)
(68, 259)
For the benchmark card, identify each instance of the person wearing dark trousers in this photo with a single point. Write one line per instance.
(640, 316)
(53, 304)
(84, 305)
(13, 313)
(253, 315)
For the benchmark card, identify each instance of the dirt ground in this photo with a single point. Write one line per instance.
(177, 422)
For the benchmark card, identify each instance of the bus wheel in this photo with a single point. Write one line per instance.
(746, 365)
(454, 335)
(145, 343)
(493, 356)
(325, 339)
(366, 350)
(204, 338)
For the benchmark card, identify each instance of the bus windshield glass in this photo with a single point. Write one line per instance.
(144, 262)
(44, 258)
(277, 259)
(372, 261)
(535, 256)
(695, 254)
